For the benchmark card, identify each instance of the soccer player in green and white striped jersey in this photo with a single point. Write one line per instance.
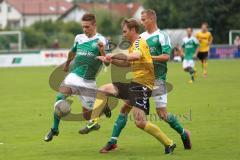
(82, 74)
(190, 47)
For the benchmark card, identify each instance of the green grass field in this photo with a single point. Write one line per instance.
(211, 107)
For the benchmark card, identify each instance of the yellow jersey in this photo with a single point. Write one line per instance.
(143, 70)
(204, 41)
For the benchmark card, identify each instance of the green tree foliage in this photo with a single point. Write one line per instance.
(43, 34)
(222, 15)
(108, 23)
(5, 42)
(34, 38)
(104, 1)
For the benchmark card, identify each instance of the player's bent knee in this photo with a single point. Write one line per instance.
(126, 109)
(163, 117)
(65, 90)
(162, 113)
(107, 88)
(140, 124)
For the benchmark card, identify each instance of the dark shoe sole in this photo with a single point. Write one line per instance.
(95, 128)
(172, 149)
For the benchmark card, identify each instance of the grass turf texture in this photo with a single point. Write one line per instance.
(26, 105)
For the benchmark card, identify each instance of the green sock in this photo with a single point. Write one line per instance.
(60, 96)
(191, 71)
(56, 121)
(120, 123)
(173, 122)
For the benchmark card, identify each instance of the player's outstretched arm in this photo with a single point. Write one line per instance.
(161, 58)
(117, 62)
(134, 56)
(71, 56)
(120, 63)
(124, 60)
(196, 52)
(101, 47)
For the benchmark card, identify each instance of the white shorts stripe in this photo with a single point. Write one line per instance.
(188, 63)
(161, 100)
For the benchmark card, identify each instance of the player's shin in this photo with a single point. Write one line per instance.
(99, 104)
(191, 71)
(56, 119)
(119, 124)
(204, 67)
(158, 134)
(174, 123)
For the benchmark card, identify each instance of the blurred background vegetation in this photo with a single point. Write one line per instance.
(221, 15)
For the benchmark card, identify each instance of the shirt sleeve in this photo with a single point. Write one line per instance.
(105, 43)
(103, 40)
(165, 43)
(74, 47)
(196, 43)
(183, 44)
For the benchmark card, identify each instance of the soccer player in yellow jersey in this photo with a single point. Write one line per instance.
(136, 93)
(159, 45)
(205, 40)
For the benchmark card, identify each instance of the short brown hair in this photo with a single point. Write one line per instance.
(131, 23)
(89, 17)
(149, 12)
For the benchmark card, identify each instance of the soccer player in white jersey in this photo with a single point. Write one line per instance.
(190, 48)
(160, 48)
(82, 75)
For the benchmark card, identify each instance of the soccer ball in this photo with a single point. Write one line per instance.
(62, 108)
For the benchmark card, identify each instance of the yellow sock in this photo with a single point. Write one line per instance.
(195, 72)
(204, 67)
(95, 120)
(99, 103)
(195, 68)
(158, 134)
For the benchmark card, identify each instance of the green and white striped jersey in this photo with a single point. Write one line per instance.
(190, 44)
(159, 43)
(86, 49)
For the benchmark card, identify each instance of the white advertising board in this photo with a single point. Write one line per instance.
(44, 58)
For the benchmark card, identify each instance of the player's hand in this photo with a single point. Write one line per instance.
(65, 68)
(101, 58)
(109, 57)
(101, 46)
(104, 59)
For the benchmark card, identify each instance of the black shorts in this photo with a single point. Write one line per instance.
(202, 55)
(137, 94)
